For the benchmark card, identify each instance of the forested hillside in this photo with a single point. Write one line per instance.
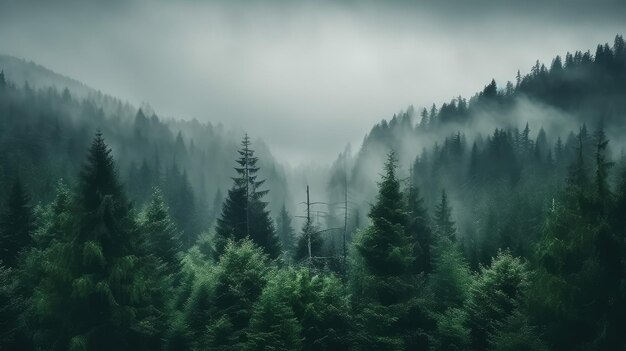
(494, 223)
(45, 130)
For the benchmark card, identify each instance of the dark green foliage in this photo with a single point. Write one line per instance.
(319, 304)
(580, 265)
(385, 285)
(444, 225)
(286, 234)
(451, 276)
(311, 233)
(92, 293)
(11, 305)
(494, 296)
(540, 217)
(163, 240)
(238, 281)
(273, 325)
(182, 205)
(385, 246)
(16, 225)
(244, 214)
(516, 334)
(418, 227)
(452, 332)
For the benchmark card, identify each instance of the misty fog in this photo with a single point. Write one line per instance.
(307, 77)
(312, 175)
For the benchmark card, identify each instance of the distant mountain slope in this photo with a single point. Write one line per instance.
(46, 127)
(579, 88)
(20, 71)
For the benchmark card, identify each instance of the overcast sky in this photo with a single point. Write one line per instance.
(306, 76)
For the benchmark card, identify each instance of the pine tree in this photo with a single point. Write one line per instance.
(578, 182)
(310, 232)
(218, 199)
(423, 125)
(12, 336)
(93, 294)
(319, 303)
(382, 275)
(419, 229)
(495, 295)
(449, 282)
(244, 213)
(451, 275)
(444, 225)
(273, 324)
(16, 225)
(286, 234)
(579, 275)
(240, 278)
(3, 81)
(182, 205)
(162, 237)
(54, 221)
(474, 166)
(602, 169)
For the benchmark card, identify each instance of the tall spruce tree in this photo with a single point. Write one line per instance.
(418, 227)
(16, 225)
(93, 295)
(449, 282)
(244, 213)
(382, 276)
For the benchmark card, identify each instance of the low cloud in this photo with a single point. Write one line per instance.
(307, 77)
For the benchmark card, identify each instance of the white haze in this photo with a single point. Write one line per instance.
(307, 77)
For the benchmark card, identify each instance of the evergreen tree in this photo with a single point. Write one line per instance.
(240, 278)
(11, 305)
(474, 166)
(182, 205)
(451, 276)
(419, 228)
(580, 268)
(602, 169)
(273, 325)
(93, 295)
(444, 225)
(61, 216)
(16, 225)
(310, 234)
(244, 213)
(384, 285)
(319, 303)
(286, 234)
(163, 239)
(218, 199)
(496, 293)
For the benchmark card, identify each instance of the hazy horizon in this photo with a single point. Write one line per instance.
(294, 73)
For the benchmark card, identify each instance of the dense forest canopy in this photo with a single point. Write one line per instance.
(496, 222)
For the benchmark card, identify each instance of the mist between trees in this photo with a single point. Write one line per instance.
(495, 222)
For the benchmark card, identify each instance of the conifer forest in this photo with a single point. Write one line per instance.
(492, 221)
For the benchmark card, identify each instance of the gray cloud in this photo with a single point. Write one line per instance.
(307, 77)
